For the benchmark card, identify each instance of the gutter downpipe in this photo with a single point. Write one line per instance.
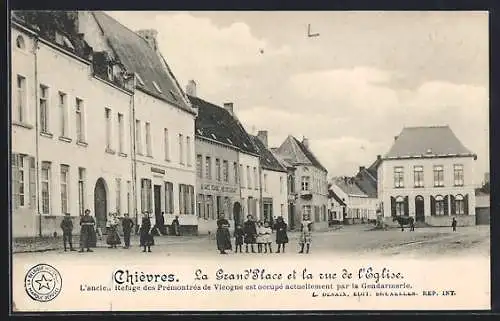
(37, 145)
(133, 153)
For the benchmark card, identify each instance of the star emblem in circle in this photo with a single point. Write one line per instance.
(43, 283)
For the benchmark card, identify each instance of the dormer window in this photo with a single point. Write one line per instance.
(20, 42)
(213, 136)
(230, 142)
(139, 79)
(157, 87)
(110, 73)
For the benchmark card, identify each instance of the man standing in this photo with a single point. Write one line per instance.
(127, 225)
(454, 225)
(67, 227)
(250, 230)
(87, 224)
(176, 226)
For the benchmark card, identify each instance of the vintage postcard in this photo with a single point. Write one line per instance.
(232, 161)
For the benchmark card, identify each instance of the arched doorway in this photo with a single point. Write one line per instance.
(100, 203)
(419, 209)
(237, 213)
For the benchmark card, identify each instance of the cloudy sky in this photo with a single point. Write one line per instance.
(351, 89)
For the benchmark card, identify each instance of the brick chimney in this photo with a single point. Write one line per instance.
(150, 36)
(305, 141)
(262, 135)
(229, 107)
(191, 88)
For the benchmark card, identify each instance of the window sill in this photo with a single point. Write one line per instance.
(139, 154)
(83, 144)
(22, 124)
(438, 185)
(418, 187)
(110, 151)
(458, 185)
(46, 134)
(399, 187)
(122, 154)
(65, 139)
(149, 156)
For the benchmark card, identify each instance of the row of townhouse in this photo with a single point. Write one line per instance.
(98, 122)
(427, 174)
(122, 136)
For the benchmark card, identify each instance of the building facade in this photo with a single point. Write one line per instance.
(62, 130)
(428, 174)
(218, 142)
(273, 178)
(118, 137)
(163, 123)
(310, 182)
(355, 205)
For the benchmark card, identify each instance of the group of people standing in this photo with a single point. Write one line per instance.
(88, 231)
(260, 233)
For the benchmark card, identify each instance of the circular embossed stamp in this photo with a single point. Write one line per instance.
(43, 283)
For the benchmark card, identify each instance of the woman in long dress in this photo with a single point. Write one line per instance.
(223, 236)
(113, 238)
(281, 235)
(146, 237)
(305, 234)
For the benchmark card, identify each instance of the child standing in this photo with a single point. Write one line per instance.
(267, 231)
(238, 238)
(260, 236)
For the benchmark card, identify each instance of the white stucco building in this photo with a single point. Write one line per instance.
(273, 178)
(354, 204)
(428, 174)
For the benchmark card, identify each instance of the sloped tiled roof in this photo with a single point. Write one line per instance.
(217, 124)
(138, 57)
(348, 185)
(267, 159)
(332, 194)
(427, 141)
(366, 183)
(293, 151)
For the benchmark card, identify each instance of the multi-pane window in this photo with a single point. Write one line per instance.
(181, 150)
(217, 169)
(306, 183)
(80, 120)
(418, 176)
(81, 190)
(121, 133)
(459, 205)
(45, 187)
(64, 189)
(225, 171)
(209, 205)
(440, 205)
(199, 203)
(400, 206)
(148, 140)
(235, 168)
(249, 178)
(44, 109)
(138, 137)
(166, 144)
(21, 99)
(398, 177)
(107, 115)
(208, 167)
(169, 198)
(146, 196)
(265, 182)
(118, 195)
(188, 151)
(186, 199)
(438, 176)
(21, 176)
(458, 174)
(199, 166)
(63, 112)
(255, 178)
(306, 210)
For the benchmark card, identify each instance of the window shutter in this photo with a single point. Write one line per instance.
(150, 197)
(453, 205)
(143, 196)
(393, 206)
(181, 208)
(15, 180)
(407, 207)
(32, 179)
(191, 188)
(433, 205)
(466, 204)
(445, 199)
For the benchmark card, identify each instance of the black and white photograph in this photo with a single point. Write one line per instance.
(249, 160)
